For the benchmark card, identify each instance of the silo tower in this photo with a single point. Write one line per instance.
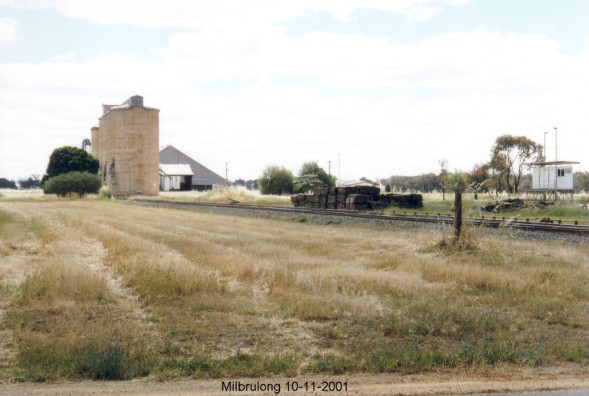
(126, 143)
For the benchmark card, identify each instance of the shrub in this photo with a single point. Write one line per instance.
(80, 183)
(105, 192)
(306, 183)
(109, 364)
(276, 180)
(312, 176)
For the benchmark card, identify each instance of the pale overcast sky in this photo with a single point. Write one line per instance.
(384, 86)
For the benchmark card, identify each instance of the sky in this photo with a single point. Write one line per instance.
(369, 88)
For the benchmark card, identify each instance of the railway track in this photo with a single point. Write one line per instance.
(408, 216)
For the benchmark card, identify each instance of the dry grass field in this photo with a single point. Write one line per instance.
(225, 195)
(107, 290)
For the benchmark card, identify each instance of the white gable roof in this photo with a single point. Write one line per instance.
(176, 170)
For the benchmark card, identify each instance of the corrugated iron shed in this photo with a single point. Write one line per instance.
(176, 170)
(203, 178)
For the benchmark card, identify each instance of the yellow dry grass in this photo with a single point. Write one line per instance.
(223, 296)
(225, 195)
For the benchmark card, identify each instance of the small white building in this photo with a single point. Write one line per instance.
(556, 175)
(174, 177)
(551, 179)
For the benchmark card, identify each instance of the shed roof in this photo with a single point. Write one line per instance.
(549, 163)
(176, 170)
(201, 174)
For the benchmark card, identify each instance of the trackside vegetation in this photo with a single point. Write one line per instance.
(107, 290)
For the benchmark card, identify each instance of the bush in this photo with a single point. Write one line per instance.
(105, 192)
(109, 364)
(80, 183)
(313, 171)
(276, 180)
(306, 183)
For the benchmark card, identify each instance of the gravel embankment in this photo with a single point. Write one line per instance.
(384, 223)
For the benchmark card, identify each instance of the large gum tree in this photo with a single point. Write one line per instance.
(510, 158)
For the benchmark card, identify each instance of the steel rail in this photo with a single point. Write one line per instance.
(527, 225)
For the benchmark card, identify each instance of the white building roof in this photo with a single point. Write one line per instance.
(176, 170)
(548, 163)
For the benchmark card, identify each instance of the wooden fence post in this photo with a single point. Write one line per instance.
(457, 214)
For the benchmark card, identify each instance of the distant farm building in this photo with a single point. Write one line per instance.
(201, 179)
(126, 143)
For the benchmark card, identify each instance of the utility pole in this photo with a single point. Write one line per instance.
(457, 214)
(329, 169)
(556, 164)
(541, 176)
(226, 173)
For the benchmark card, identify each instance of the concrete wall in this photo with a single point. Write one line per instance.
(129, 136)
(95, 147)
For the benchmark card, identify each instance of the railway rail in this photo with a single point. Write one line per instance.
(408, 216)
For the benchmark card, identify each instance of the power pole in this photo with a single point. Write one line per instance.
(226, 173)
(457, 214)
(556, 164)
(329, 169)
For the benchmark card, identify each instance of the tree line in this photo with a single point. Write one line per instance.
(33, 181)
(506, 170)
(70, 170)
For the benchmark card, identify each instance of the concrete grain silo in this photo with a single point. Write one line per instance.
(126, 143)
(95, 147)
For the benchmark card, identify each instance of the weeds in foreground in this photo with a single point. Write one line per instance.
(58, 281)
(232, 296)
(469, 241)
(242, 365)
(45, 359)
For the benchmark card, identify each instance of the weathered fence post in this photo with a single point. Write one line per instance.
(457, 214)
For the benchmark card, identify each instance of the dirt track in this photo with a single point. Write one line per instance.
(431, 384)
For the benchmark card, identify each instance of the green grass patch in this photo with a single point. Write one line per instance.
(395, 359)
(563, 210)
(488, 351)
(240, 365)
(43, 359)
(436, 320)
